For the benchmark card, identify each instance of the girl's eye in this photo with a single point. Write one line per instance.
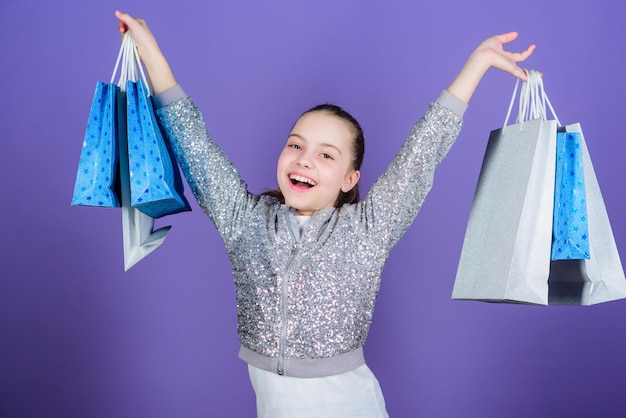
(327, 156)
(294, 146)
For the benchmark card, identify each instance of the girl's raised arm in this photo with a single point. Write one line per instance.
(490, 53)
(159, 71)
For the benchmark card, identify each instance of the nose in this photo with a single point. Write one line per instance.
(305, 161)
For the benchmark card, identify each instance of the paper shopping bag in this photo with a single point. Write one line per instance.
(506, 250)
(155, 183)
(506, 255)
(139, 236)
(103, 177)
(98, 164)
(600, 278)
(570, 232)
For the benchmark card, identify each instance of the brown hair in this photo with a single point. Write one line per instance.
(358, 150)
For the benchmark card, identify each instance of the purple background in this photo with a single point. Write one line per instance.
(82, 338)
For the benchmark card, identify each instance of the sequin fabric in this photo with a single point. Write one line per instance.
(311, 299)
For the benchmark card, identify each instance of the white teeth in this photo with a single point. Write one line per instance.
(302, 179)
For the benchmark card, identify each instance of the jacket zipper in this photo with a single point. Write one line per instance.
(280, 369)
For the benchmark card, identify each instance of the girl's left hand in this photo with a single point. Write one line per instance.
(490, 53)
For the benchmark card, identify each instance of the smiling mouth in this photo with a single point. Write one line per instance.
(303, 182)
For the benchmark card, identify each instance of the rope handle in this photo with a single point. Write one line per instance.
(130, 63)
(533, 101)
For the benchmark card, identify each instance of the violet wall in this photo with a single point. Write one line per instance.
(79, 337)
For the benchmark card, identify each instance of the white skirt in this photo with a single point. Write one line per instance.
(355, 393)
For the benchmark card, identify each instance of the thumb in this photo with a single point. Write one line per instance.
(126, 21)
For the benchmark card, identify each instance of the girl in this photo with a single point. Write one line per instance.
(307, 257)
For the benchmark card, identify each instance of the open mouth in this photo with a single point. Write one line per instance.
(302, 182)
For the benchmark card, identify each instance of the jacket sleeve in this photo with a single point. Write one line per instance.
(397, 196)
(213, 179)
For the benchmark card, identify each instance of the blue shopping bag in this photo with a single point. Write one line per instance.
(570, 231)
(155, 183)
(98, 165)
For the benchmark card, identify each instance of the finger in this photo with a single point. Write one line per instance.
(122, 16)
(520, 56)
(122, 27)
(521, 74)
(527, 53)
(126, 19)
(505, 38)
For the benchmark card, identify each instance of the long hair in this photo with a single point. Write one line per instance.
(358, 150)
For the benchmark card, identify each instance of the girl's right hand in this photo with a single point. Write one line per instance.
(159, 72)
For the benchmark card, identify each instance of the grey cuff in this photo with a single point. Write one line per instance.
(449, 100)
(168, 96)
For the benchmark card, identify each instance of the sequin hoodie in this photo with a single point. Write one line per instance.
(304, 307)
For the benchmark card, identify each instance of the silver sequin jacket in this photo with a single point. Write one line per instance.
(304, 308)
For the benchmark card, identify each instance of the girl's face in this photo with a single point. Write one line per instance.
(316, 163)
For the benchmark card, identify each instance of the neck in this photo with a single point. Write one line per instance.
(299, 212)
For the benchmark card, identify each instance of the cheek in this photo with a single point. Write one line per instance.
(331, 175)
(282, 166)
(282, 161)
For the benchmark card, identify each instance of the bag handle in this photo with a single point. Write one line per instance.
(532, 102)
(121, 58)
(130, 62)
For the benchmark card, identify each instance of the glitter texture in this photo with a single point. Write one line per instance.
(95, 179)
(311, 299)
(570, 231)
(153, 177)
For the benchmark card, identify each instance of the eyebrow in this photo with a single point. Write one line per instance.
(323, 144)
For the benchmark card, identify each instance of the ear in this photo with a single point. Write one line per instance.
(351, 180)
